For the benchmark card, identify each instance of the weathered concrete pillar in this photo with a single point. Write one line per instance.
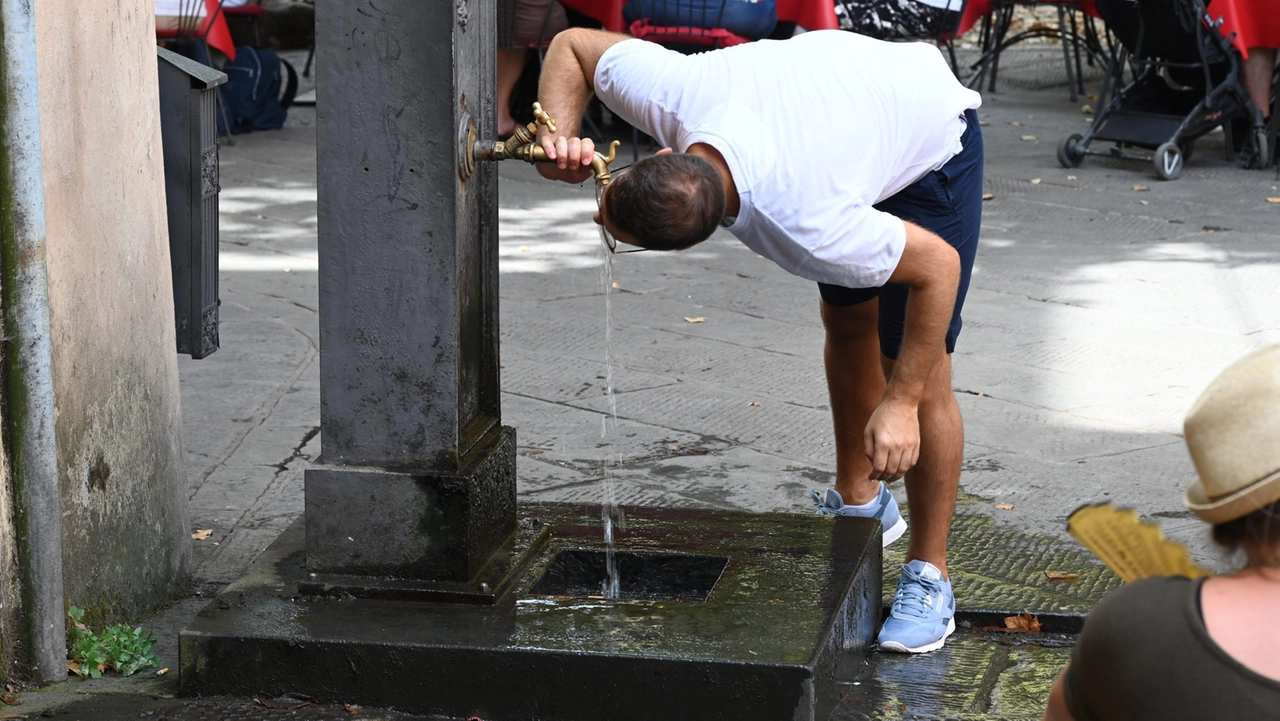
(418, 475)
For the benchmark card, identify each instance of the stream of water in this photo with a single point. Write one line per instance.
(610, 515)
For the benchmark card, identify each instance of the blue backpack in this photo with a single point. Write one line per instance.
(251, 95)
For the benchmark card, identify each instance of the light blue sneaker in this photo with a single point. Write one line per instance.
(885, 511)
(923, 613)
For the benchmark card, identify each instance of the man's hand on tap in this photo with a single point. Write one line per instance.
(572, 157)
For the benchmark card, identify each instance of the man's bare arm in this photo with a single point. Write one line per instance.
(568, 75)
(930, 268)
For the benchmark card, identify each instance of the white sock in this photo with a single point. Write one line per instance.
(866, 506)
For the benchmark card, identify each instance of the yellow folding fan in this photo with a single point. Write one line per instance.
(1130, 547)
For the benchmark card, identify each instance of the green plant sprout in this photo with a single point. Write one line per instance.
(118, 648)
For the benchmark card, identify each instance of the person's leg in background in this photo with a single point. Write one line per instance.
(1259, 69)
(522, 25)
(510, 65)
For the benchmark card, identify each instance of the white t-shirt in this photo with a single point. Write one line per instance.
(815, 130)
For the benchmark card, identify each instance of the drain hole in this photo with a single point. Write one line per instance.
(641, 575)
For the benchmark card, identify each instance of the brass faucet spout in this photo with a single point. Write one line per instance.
(523, 145)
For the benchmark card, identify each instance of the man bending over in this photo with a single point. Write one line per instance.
(848, 161)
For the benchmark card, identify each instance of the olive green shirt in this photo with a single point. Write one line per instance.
(1144, 653)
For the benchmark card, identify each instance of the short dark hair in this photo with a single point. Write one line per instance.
(1257, 533)
(667, 202)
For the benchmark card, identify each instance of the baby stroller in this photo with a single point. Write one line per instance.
(1187, 83)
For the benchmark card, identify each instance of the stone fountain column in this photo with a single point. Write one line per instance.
(417, 479)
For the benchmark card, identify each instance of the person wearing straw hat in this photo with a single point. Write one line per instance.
(1175, 648)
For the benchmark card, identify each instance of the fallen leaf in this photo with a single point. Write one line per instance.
(1061, 575)
(351, 708)
(1015, 123)
(615, 284)
(287, 702)
(1071, 177)
(74, 667)
(1028, 137)
(1140, 188)
(699, 319)
(201, 535)
(525, 249)
(1035, 181)
(1022, 622)
(1005, 506)
(754, 403)
(9, 700)
(988, 196)
(1273, 200)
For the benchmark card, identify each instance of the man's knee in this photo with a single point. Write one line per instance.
(850, 322)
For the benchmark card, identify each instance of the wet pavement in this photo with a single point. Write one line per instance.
(1102, 303)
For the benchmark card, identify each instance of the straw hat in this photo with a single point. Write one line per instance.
(1233, 434)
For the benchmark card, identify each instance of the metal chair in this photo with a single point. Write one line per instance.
(906, 20)
(995, 39)
(249, 13)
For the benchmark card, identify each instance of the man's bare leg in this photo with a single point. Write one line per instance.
(1259, 68)
(855, 381)
(933, 483)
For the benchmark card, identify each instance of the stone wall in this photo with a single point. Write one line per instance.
(126, 541)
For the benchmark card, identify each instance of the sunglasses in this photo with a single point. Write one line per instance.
(611, 242)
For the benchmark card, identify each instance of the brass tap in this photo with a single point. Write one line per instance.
(523, 145)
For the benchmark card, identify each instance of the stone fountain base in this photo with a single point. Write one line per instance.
(722, 615)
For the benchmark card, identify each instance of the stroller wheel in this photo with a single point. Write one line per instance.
(1168, 161)
(1069, 151)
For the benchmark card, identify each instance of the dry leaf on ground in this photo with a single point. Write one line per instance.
(1022, 622)
(1140, 188)
(699, 319)
(1005, 506)
(9, 700)
(988, 196)
(1061, 575)
(202, 534)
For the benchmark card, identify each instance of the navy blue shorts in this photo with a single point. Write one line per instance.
(947, 201)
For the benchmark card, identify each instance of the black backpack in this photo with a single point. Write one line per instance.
(251, 95)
